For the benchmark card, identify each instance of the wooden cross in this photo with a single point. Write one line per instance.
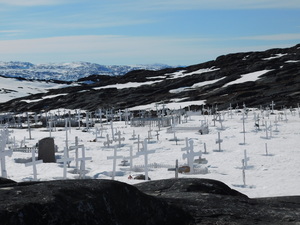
(243, 171)
(133, 136)
(189, 145)
(145, 152)
(33, 163)
(219, 141)
(82, 163)
(149, 135)
(119, 139)
(246, 159)
(272, 106)
(190, 156)
(75, 147)
(138, 142)
(3, 153)
(175, 169)
(66, 161)
(131, 157)
(114, 157)
(108, 142)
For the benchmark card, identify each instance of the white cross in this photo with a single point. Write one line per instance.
(133, 136)
(112, 129)
(119, 139)
(33, 164)
(114, 157)
(76, 147)
(272, 105)
(100, 114)
(145, 152)
(82, 163)
(138, 142)
(108, 142)
(219, 141)
(3, 154)
(131, 157)
(66, 160)
(190, 155)
(246, 159)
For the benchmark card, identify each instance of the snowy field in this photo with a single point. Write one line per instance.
(275, 172)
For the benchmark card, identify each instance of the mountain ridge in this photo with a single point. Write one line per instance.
(67, 71)
(253, 79)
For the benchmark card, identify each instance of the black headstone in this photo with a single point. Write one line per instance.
(46, 150)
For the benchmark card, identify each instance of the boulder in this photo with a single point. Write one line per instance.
(213, 202)
(84, 202)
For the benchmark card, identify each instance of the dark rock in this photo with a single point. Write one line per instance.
(6, 181)
(140, 177)
(212, 202)
(84, 202)
(171, 201)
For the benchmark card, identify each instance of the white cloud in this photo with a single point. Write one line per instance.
(274, 37)
(32, 2)
(111, 48)
(117, 49)
(209, 4)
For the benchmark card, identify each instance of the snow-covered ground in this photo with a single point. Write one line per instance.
(275, 174)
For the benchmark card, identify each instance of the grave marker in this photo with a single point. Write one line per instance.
(243, 172)
(246, 159)
(133, 137)
(66, 161)
(176, 169)
(4, 153)
(108, 141)
(76, 147)
(46, 150)
(138, 142)
(244, 132)
(190, 155)
(145, 152)
(82, 163)
(219, 141)
(114, 157)
(33, 163)
(119, 139)
(28, 125)
(272, 107)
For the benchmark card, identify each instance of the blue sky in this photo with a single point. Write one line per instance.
(119, 32)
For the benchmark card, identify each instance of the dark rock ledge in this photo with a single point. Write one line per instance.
(171, 201)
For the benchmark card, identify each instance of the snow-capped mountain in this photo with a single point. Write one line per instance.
(67, 71)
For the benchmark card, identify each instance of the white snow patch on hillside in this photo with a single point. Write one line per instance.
(292, 61)
(248, 77)
(181, 73)
(45, 97)
(128, 85)
(276, 56)
(194, 86)
(11, 88)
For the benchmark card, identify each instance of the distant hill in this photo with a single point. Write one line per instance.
(67, 71)
(251, 78)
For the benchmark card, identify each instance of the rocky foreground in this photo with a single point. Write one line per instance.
(170, 201)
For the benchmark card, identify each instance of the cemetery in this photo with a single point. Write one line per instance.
(251, 150)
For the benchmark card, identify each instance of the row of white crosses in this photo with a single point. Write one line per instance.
(145, 152)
